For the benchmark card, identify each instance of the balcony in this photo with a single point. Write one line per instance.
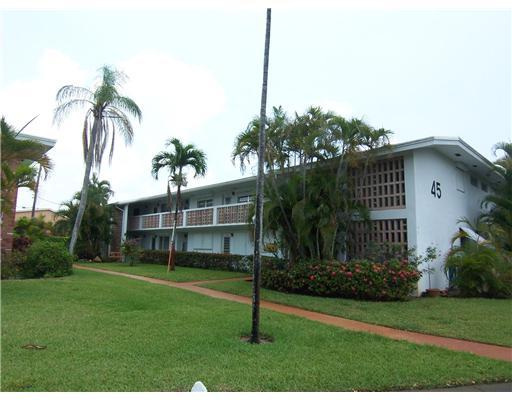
(233, 214)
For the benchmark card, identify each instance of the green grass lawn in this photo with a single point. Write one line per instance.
(181, 274)
(485, 320)
(109, 333)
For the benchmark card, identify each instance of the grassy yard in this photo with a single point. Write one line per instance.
(181, 274)
(109, 333)
(485, 320)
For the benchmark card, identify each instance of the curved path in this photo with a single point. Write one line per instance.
(481, 349)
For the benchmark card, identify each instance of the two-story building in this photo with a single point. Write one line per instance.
(416, 193)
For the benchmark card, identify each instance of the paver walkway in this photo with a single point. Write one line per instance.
(481, 349)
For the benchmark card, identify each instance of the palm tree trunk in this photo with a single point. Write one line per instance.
(36, 190)
(85, 187)
(258, 223)
(172, 251)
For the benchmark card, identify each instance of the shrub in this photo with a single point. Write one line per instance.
(12, 263)
(480, 271)
(62, 240)
(391, 280)
(21, 243)
(131, 250)
(227, 262)
(47, 259)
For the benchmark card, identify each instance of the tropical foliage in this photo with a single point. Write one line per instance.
(95, 230)
(17, 158)
(478, 270)
(310, 204)
(483, 267)
(107, 114)
(33, 228)
(177, 162)
(499, 203)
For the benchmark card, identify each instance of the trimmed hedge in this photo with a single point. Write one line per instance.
(227, 262)
(391, 280)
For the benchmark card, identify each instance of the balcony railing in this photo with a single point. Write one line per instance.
(232, 214)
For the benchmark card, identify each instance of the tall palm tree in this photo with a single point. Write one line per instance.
(177, 162)
(106, 114)
(16, 174)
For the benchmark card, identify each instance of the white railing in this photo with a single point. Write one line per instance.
(228, 214)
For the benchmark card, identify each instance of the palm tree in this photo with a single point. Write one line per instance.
(95, 229)
(15, 173)
(177, 162)
(499, 203)
(106, 115)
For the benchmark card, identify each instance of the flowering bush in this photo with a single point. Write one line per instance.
(359, 279)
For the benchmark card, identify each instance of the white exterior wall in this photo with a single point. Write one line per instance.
(211, 241)
(436, 219)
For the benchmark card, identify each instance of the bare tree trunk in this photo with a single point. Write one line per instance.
(258, 223)
(85, 186)
(172, 251)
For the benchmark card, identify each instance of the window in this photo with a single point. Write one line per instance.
(484, 187)
(245, 199)
(204, 203)
(227, 200)
(226, 244)
(473, 181)
(184, 243)
(459, 180)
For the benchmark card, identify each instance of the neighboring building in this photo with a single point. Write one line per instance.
(416, 193)
(47, 214)
(8, 220)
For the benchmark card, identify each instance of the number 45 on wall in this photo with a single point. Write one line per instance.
(435, 190)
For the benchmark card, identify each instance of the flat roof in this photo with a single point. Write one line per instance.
(192, 190)
(452, 147)
(49, 143)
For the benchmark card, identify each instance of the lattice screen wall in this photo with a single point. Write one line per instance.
(200, 217)
(233, 214)
(380, 232)
(168, 220)
(383, 184)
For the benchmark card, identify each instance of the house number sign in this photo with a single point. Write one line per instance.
(435, 190)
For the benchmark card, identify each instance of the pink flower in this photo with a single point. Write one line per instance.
(312, 277)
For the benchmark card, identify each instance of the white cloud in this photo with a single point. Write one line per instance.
(176, 99)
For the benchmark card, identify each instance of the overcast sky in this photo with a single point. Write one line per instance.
(197, 76)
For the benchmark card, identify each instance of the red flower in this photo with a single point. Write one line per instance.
(312, 277)
(333, 273)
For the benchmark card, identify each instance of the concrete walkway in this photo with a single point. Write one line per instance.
(481, 349)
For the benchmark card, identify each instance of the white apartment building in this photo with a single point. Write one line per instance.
(416, 193)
